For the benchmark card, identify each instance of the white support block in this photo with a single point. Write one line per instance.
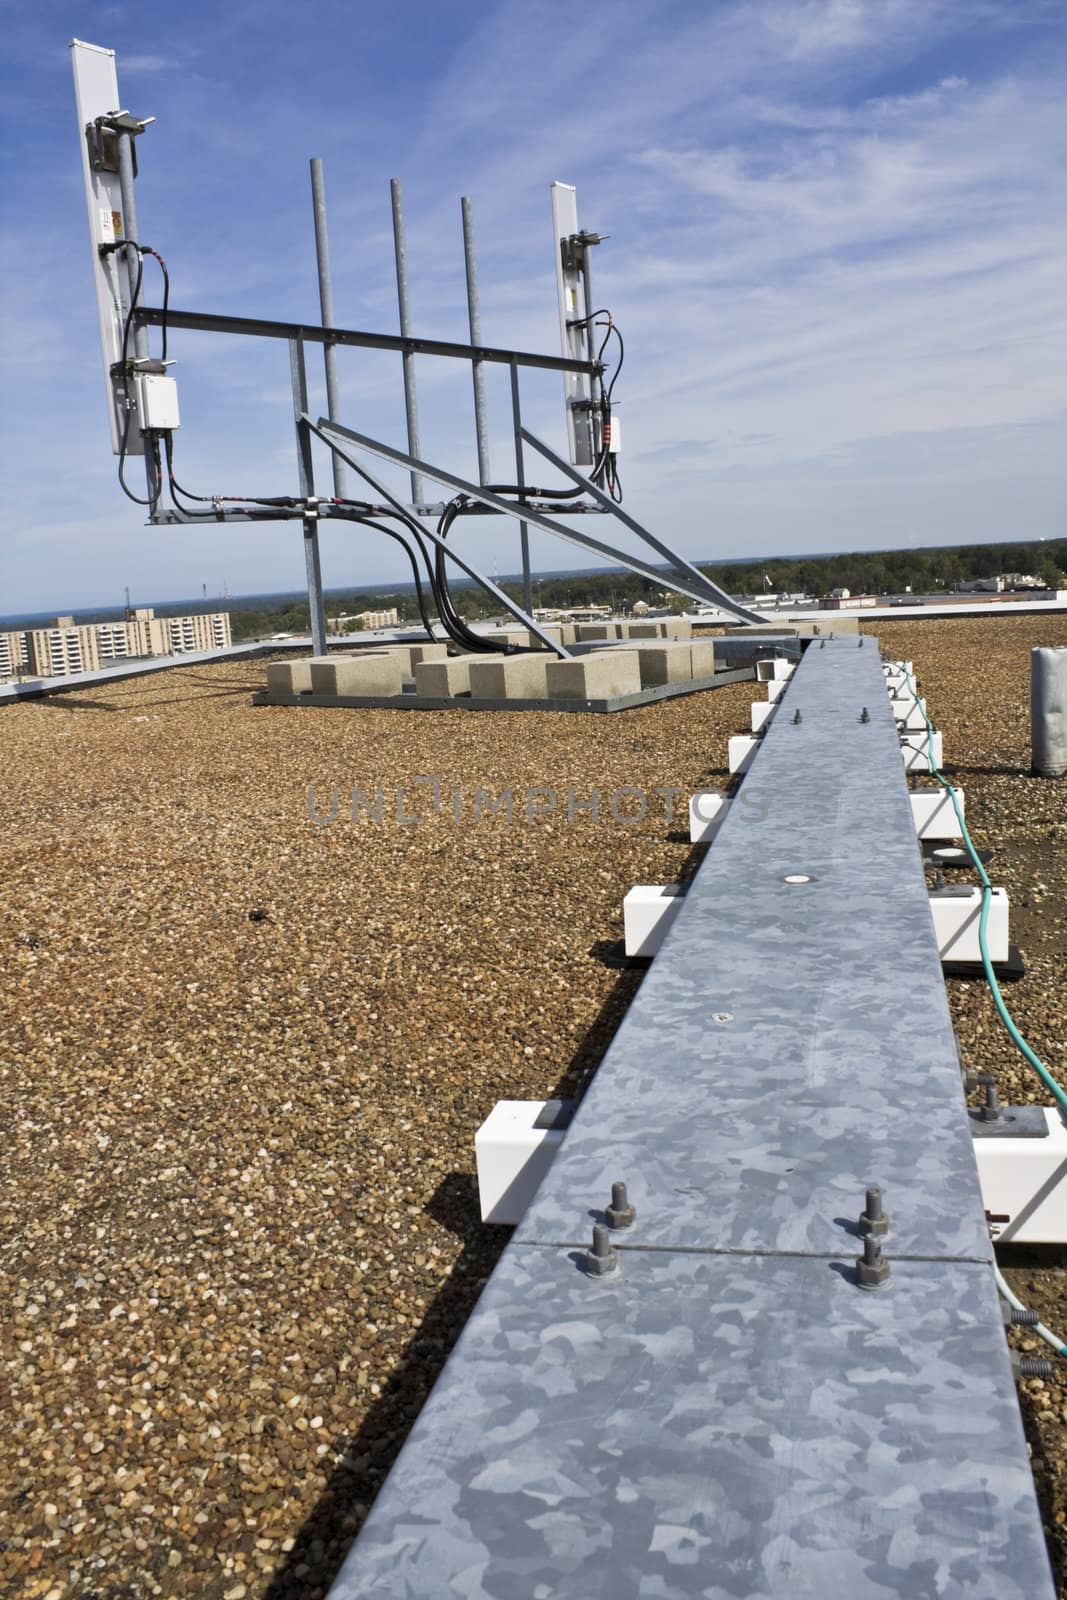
(774, 670)
(1025, 1181)
(707, 813)
(512, 1156)
(647, 912)
(898, 667)
(915, 749)
(776, 688)
(909, 715)
(740, 751)
(956, 914)
(933, 813)
(762, 711)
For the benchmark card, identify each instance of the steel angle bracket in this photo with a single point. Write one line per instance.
(680, 568)
(322, 429)
(695, 587)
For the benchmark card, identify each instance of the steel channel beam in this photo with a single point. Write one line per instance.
(259, 328)
(728, 1413)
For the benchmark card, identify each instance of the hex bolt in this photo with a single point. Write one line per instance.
(620, 1213)
(861, 644)
(602, 1257)
(872, 1268)
(873, 1220)
(990, 1111)
(865, 715)
(796, 715)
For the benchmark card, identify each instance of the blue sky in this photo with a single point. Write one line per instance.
(836, 253)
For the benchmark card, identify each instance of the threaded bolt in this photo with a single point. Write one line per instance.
(865, 715)
(872, 1268)
(1019, 1316)
(602, 1257)
(1031, 1366)
(620, 1213)
(873, 1220)
(796, 715)
(990, 1111)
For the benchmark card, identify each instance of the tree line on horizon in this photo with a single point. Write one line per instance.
(880, 572)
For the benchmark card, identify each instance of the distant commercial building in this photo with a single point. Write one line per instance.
(71, 647)
(378, 619)
(842, 600)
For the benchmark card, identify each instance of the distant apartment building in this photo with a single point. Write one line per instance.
(13, 655)
(70, 647)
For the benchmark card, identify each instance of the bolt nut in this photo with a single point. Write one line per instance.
(872, 1268)
(873, 1220)
(602, 1257)
(620, 1213)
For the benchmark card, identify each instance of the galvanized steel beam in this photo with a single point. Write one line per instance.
(728, 1413)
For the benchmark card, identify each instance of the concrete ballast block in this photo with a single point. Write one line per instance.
(441, 680)
(702, 656)
(670, 662)
(604, 675)
(289, 677)
(367, 674)
(593, 632)
(509, 677)
(956, 914)
(647, 912)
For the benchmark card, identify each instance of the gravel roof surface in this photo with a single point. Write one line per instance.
(244, 1055)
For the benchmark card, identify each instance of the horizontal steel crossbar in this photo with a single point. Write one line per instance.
(260, 328)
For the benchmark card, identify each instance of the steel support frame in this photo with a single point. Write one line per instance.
(695, 586)
(323, 430)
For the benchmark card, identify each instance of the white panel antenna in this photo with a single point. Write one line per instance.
(570, 288)
(97, 97)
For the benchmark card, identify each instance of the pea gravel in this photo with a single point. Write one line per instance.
(244, 1055)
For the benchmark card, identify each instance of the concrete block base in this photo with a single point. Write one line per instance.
(512, 1155)
(933, 814)
(509, 677)
(915, 749)
(741, 751)
(365, 674)
(647, 912)
(670, 662)
(707, 813)
(600, 676)
(439, 680)
(290, 677)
